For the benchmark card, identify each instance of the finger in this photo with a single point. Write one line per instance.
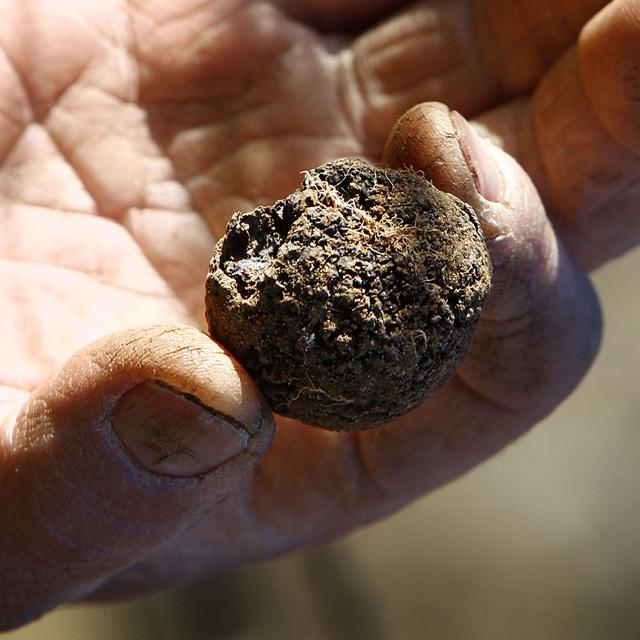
(469, 55)
(578, 136)
(115, 455)
(539, 331)
(532, 271)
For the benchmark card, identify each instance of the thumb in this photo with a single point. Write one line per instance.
(116, 454)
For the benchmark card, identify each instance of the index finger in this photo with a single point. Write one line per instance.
(468, 55)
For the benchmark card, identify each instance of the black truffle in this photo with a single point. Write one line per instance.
(352, 299)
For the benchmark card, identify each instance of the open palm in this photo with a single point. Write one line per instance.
(130, 131)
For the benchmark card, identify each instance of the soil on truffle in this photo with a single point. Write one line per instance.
(352, 299)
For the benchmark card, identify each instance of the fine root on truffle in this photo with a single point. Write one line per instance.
(352, 299)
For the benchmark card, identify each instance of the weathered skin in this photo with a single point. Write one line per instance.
(131, 131)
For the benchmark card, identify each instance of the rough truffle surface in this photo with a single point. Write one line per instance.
(352, 299)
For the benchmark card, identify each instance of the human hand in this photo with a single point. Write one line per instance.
(128, 135)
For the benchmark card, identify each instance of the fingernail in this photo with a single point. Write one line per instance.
(480, 160)
(172, 433)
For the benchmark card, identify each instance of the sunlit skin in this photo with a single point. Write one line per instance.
(130, 131)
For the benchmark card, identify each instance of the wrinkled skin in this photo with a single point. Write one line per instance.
(130, 131)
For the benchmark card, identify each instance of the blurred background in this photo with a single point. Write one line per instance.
(540, 543)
